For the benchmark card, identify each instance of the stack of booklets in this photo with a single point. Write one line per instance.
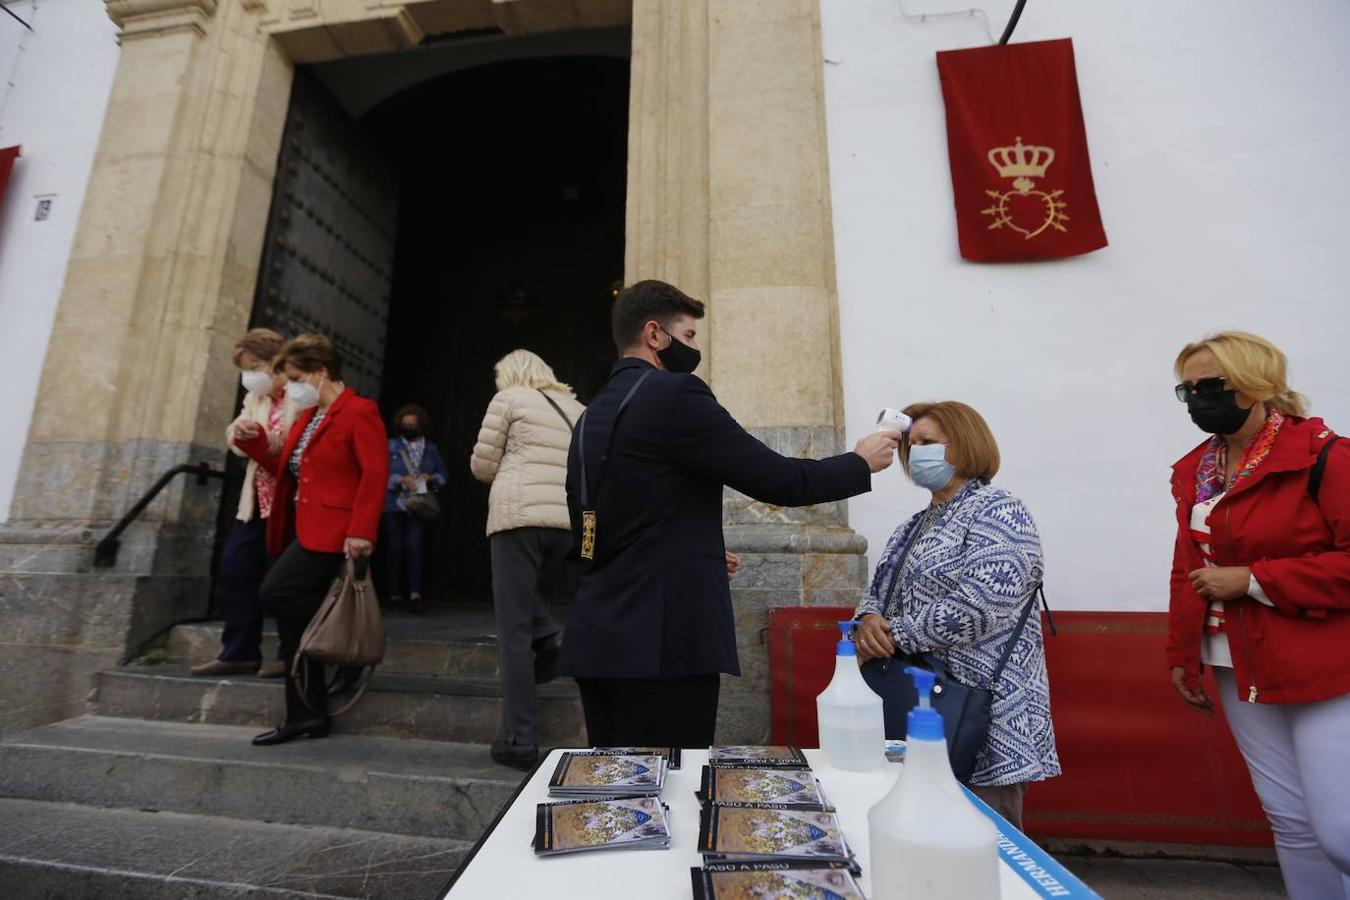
(599, 775)
(764, 757)
(771, 834)
(775, 881)
(670, 754)
(755, 786)
(763, 806)
(632, 823)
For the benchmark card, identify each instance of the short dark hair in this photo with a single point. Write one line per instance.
(412, 409)
(312, 352)
(649, 301)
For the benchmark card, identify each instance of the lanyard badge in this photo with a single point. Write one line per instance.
(588, 534)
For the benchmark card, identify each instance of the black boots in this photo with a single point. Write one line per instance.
(517, 756)
(289, 731)
(546, 658)
(347, 678)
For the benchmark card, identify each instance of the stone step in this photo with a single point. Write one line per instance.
(467, 648)
(57, 851)
(466, 710)
(412, 787)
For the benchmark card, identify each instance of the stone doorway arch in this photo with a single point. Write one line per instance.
(728, 196)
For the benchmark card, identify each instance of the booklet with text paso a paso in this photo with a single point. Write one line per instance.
(775, 881)
(764, 757)
(632, 823)
(770, 833)
(602, 775)
(757, 786)
(670, 754)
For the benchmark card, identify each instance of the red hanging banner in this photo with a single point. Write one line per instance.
(7, 157)
(1019, 153)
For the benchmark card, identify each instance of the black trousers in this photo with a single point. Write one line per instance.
(293, 591)
(651, 712)
(243, 565)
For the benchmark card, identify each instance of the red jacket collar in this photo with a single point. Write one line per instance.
(1296, 447)
(302, 422)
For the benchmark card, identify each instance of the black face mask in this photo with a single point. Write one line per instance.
(678, 356)
(411, 434)
(1217, 413)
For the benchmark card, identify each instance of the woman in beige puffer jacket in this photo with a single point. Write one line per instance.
(522, 451)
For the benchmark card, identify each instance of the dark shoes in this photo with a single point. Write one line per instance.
(227, 667)
(344, 681)
(274, 669)
(289, 731)
(517, 756)
(546, 658)
(417, 605)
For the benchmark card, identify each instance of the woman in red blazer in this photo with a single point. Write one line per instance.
(331, 472)
(1261, 594)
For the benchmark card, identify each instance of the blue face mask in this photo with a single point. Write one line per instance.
(928, 466)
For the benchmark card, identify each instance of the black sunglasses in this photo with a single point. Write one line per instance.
(1188, 389)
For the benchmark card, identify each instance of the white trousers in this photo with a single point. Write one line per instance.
(1299, 758)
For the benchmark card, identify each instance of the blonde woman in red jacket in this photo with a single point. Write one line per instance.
(331, 474)
(1261, 594)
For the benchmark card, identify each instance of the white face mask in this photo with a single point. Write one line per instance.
(256, 382)
(302, 394)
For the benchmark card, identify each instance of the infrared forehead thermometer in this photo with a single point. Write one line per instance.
(893, 420)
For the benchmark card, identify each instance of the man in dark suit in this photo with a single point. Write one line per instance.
(652, 625)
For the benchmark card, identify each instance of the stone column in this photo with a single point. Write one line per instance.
(159, 284)
(729, 198)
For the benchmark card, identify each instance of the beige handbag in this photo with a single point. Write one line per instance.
(348, 629)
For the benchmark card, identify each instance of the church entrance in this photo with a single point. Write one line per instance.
(432, 230)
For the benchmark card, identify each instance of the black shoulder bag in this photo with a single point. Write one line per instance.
(1320, 467)
(966, 710)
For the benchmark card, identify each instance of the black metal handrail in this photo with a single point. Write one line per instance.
(105, 553)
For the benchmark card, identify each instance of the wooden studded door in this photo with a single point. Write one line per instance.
(328, 261)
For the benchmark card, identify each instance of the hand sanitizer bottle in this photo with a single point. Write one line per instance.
(852, 730)
(927, 839)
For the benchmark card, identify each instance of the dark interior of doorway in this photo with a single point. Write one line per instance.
(511, 224)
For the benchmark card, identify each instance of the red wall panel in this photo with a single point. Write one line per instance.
(1138, 765)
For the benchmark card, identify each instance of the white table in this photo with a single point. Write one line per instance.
(504, 865)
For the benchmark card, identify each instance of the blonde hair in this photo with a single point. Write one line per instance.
(521, 368)
(264, 343)
(1252, 365)
(971, 447)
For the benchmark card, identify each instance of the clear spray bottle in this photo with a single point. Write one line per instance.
(852, 726)
(926, 838)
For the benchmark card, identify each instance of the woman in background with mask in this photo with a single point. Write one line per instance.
(415, 467)
(331, 471)
(954, 581)
(1261, 594)
(245, 560)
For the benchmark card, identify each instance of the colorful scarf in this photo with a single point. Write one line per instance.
(416, 449)
(1209, 480)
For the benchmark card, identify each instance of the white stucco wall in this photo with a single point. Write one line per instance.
(1219, 136)
(54, 84)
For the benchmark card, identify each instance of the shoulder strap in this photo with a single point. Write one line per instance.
(554, 404)
(604, 460)
(1319, 468)
(407, 460)
(1017, 632)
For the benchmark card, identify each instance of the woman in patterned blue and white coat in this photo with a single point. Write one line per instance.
(968, 565)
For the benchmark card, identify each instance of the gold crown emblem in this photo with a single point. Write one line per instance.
(1021, 160)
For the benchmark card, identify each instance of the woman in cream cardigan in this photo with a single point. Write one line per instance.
(522, 451)
(244, 560)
